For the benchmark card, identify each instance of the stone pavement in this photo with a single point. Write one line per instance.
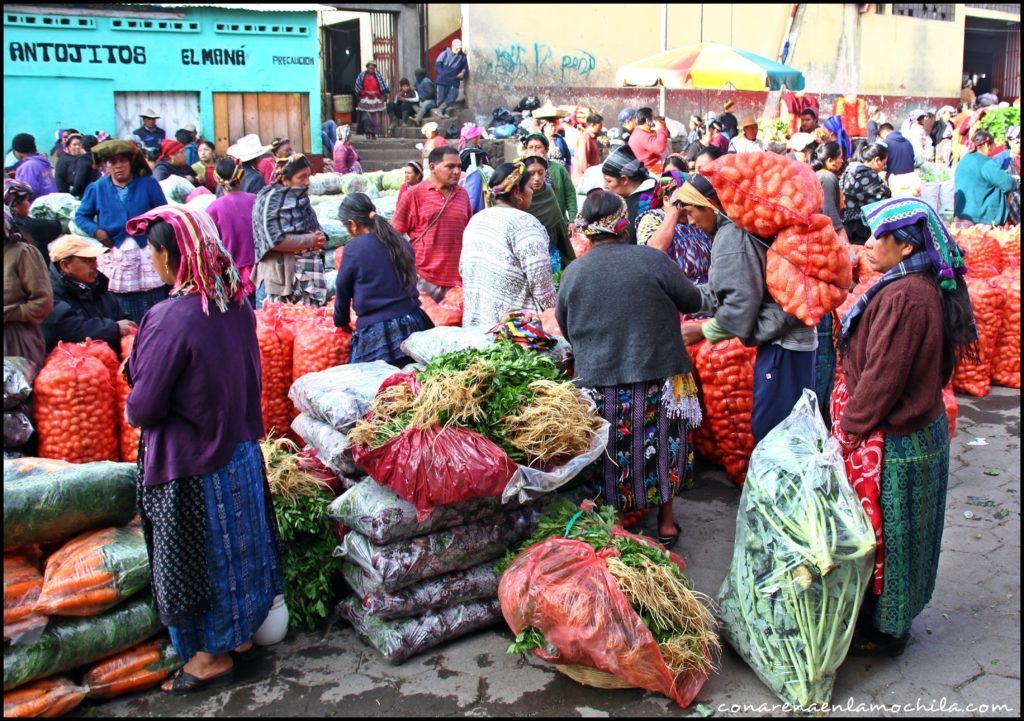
(965, 647)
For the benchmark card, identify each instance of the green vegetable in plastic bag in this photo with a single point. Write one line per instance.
(801, 563)
(998, 120)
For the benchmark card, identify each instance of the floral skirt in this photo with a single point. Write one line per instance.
(649, 454)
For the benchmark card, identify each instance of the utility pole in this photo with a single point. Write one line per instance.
(664, 48)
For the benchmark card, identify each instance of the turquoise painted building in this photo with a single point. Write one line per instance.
(230, 71)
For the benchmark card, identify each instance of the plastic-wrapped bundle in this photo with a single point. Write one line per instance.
(803, 555)
(425, 345)
(339, 396)
(358, 183)
(377, 513)
(17, 428)
(400, 640)
(337, 236)
(474, 584)
(55, 206)
(22, 584)
(332, 447)
(325, 184)
(19, 373)
(134, 670)
(386, 205)
(393, 179)
(176, 188)
(404, 563)
(48, 698)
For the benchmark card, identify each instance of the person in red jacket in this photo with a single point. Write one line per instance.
(649, 140)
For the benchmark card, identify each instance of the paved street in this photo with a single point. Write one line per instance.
(965, 648)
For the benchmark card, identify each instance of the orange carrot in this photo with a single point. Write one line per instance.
(80, 604)
(138, 681)
(123, 663)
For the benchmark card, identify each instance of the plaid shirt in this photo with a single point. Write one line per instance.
(439, 246)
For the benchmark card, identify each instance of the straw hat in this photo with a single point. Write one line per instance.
(248, 148)
(548, 110)
(149, 113)
(748, 120)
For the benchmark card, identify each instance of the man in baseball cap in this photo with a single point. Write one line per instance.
(150, 135)
(82, 305)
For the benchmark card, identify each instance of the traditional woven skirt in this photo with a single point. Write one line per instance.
(915, 473)
(212, 543)
(649, 454)
(135, 305)
(383, 341)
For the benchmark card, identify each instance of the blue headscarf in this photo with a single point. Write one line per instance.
(835, 125)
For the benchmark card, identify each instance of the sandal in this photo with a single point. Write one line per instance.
(185, 683)
(670, 541)
(864, 646)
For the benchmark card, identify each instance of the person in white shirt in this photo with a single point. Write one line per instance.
(746, 141)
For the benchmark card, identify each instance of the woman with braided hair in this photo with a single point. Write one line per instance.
(376, 278)
(202, 494)
(619, 307)
(232, 214)
(506, 258)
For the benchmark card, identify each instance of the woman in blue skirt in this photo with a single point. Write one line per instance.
(377, 279)
(203, 496)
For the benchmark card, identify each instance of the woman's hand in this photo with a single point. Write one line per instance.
(104, 237)
(319, 241)
(126, 327)
(693, 333)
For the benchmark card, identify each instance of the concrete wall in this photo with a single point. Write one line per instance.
(897, 61)
(44, 94)
(443, 19)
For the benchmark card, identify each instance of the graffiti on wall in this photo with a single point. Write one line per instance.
(515, 63)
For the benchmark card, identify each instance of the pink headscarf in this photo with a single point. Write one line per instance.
(206, 267)
(469, 132)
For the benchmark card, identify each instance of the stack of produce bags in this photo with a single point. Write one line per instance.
(803, 555)
(608, 608)
(76, 587)
(19, 374)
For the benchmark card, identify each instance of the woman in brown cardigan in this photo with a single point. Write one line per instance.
(899, 345)
(28, 296)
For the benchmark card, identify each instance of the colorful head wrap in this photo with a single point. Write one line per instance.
(278, 142)
(15, 191)
(415, 166)
(536, 136)
(491, 194)
(281, 165)
(9, 225)
(524, 329)
(169, 148)
(206, 267)
(835, 125)
(609, 225)
(669, 182)
(236, 174)
(469, 132)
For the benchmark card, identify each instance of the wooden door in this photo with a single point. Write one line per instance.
(175, 109)
(268, 115)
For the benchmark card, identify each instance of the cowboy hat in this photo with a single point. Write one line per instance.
(248, 148)
(548, 110)
(748, 120)
(149, 113)
(190, 127)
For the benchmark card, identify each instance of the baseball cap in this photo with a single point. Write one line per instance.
(627, 114)
(67, 246)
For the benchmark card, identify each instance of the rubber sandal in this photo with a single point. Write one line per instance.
(670, 541)
(185, 683)
(868, 647)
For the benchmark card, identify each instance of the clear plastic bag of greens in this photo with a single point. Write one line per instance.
(425, 345)
(339, 396)
(332, 448)
(801, 563)
(474, 584)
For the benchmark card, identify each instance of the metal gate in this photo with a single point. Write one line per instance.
(176, 110)
(384, 34)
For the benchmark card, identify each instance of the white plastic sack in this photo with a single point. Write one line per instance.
(176, 188)
(930, 194)
(333, 448)
(425, 345)
(341, 395)
(325, 184)
(201, 202)
(947, 194)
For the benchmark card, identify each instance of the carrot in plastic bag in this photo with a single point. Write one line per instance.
(46, 698)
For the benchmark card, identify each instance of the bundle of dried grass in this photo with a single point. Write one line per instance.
(285, 475)
(557, 423)
(453, 399)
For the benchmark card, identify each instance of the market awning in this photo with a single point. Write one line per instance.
(710, 66)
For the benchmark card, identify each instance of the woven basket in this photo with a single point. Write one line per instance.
(591, 676)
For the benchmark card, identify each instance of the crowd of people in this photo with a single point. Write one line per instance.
(654, 242)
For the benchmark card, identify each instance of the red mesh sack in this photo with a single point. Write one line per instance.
(981, 247)
(318, 346)
(434, 466)
(764, 192)
(1009, 240)
(276, 342)
(1005, 368)
(808, 270)
(988, 301)
(98, 349)
(287, 312)
(76, 408)
(562, 588)
(726, 375)
(952, 408)
(338, 253)
(440, 315)
(454, 299)
(864, 273)
(129, 436)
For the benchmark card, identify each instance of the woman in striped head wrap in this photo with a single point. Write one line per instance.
(202, 493)
(899, 345)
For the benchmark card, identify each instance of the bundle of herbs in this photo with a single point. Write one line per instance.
(513, 396)
(801, 562)
(678, 617)
(300, 502)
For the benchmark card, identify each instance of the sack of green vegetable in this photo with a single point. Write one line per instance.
(333, 448)
(457, 430)
(176, 188)
(325, 184)
(473, 584)
(393, 179)
(55, 206)
(68, 643)
(801, 562)
(55, 505)
(404, 563)
(425, 345)
(402, 639)
(608, 601)
(341, 395)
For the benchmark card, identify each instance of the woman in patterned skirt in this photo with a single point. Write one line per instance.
(203, 496)
(888, 410)
(619, 307)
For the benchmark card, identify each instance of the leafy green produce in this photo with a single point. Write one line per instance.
(998, 120)
(307, 541)
(803, 555)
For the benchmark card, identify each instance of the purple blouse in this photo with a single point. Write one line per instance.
(196, 387)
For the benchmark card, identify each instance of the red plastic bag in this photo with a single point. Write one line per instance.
(562, 588)
(76, 407)
(440, 315)
(319, 346)
(276, 342)
(765, 192)
(129, 436)
(988, 301)
(1005, 367)
(434, 466)
(726, 375)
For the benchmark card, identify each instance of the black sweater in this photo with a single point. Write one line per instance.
(82, 313)
(73, 174)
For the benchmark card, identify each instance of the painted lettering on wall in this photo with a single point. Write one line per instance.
(217, 56)
(76, 53)
(292, 60)
(515, 63)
